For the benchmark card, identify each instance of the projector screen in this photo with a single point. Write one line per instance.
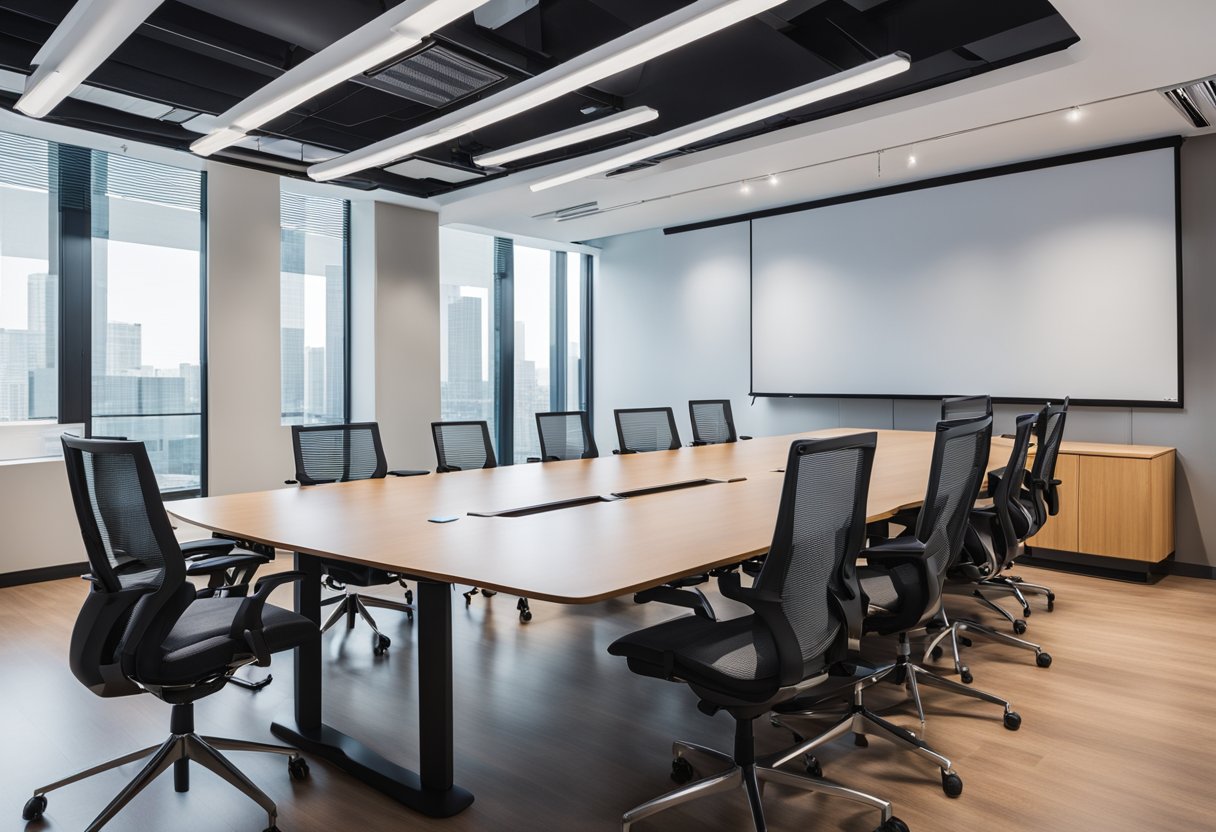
(1032, 285)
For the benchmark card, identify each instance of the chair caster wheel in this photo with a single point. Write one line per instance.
(813, 768)
(525, 616)
(409, 616)
(1043, 660)
(1026, 611)
(1013, 721)
(893, 825)
(860, 740)
(489, 593)
(409, 596)
(35, 807)
(1019, 626)
(380, 644)
(936, 652)
(681, 771)
(297, 767)
(964, 641)
(952, 784)
(965, 676)
(1051, 601)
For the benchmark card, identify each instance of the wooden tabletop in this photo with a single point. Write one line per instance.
(574, 555)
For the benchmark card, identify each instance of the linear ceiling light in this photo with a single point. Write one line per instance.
(392, 33)
(89, 34)
(850, 79)
(565, 138)
(659, 37)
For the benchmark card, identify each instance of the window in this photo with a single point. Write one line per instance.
(313, 288)
(147, 276)
(29, 282)
(511, 335)
(467, 358)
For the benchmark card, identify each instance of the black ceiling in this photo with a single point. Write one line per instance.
(204, 56)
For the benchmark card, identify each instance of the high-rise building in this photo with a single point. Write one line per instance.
(14, 375)
(464, 347)
(42, 299)
(291, 344)
(316, 398)
(124, 348)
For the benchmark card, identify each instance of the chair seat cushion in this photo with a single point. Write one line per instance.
(354, 574)
(199, 646)
(737, 657)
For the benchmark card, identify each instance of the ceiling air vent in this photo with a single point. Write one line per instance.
(435, 76)
(1196, 102)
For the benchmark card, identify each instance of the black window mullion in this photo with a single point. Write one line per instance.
(504, 347)
(558, 330)
(72, 197)
(586, 339)
(346, 312)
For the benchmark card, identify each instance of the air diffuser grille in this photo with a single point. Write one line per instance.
(1196, 102)
(436, 76)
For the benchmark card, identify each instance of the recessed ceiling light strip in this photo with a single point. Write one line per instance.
(88, 34)
(396, 31)
(565, 138)
(645, 43)
(851, 79)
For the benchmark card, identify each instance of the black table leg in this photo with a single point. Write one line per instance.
(432, 793)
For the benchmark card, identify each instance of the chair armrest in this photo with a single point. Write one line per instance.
(894, 552)
(211, 565)
(207, 546)
(247, 623)
(624, 452)
(696, 443)
(731, 587)
(744, 438)
(291, 482)
(445, 469)
(534, 459)
(767, 607)
(408, 472)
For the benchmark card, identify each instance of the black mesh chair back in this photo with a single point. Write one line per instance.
(960, 461)
(966, 407)
(138, 572)
(463, 446)
(1006, 495)
(712, 421)
(565, 435)
(338, 453)
(811, 565)
(1049, 434)
(645, 429)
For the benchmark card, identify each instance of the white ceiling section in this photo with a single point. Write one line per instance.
(1126, 47)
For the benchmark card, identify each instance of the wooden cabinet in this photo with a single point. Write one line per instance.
(1116, 501)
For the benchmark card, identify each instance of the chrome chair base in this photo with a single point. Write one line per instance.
(751, 778)
(351, 604)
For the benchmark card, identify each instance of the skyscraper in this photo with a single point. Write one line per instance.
(42, 299)
(291, 344)
(464, 347)
(124, 353)
(14, 375)
(316, 401)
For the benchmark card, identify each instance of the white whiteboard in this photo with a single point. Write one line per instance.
(1033, 285)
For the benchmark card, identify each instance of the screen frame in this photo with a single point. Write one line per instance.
(1172, 142)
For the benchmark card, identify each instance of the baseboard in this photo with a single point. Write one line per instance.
(45, 573)
(1115, 568)
(1191, 570)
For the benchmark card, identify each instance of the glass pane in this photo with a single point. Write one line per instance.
(466, 304)
(29, 285)
(574, 329)
(313, 296)
(533, 282)
(147, 236)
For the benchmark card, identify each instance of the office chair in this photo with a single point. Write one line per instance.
(990, 545)
(805, 604)
(342, 453)
(1040, 499)
(143, 628)
(466, 446)
(966, 407)
(565, 435)
(712, 422)
(901, 586)
(644, 429)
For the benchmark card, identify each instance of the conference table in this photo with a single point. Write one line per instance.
(573, 532)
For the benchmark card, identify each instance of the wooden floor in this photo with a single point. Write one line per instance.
(552, 733)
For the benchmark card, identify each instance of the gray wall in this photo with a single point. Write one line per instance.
(672, 324)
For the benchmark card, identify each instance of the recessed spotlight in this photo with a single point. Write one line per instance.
(745, 188)
(773, 180)
(911, 160)
(1074, 114)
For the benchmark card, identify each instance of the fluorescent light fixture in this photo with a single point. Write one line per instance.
(396, 31)
(645, 43)
(89, 34)
(841, 82)
(565, 138)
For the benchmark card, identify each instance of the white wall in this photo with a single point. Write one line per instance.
(672, 324)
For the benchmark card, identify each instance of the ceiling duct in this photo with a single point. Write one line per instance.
(1196, 102)
(501, 12)
(435, 76)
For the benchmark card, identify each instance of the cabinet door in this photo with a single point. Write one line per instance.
(1117, 512)
(1061, 532)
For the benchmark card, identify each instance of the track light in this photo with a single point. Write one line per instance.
(89, 34)
(1074, 114)
(645, 43)
(850, 79)
(565, 138)
(773, 180)
(911, 160)
(396, 31)
(745, 188)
